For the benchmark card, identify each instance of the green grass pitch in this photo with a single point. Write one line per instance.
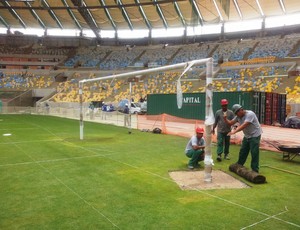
(49, 179)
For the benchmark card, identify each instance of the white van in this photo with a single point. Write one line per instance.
(135, 108)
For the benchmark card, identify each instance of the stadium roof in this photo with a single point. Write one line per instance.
(101, 15)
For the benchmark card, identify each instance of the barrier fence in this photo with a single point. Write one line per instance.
(169, 124)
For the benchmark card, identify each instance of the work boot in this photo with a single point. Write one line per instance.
(219, 158)
(226, 157)
(190, 167)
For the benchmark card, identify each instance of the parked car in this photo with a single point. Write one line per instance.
(134, 108)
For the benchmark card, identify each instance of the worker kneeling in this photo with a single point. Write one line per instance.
(195, 149)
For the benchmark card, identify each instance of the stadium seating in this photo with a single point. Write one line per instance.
(296, 53)
(21, 81)
(233, 50)
(157, 55)
(4, 49)
(293, 92)
(87, 57)
(274, 46)
(253, 72)
(43, 50)
(268, 77)
(120, 58)
(193, 51)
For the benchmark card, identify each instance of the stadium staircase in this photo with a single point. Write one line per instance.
(105, 57)
(71, 54)
(172, 57)
(212, 51)
(48, 96)
(294, 48)
(137, 58)
(108, 54)
(250, 51)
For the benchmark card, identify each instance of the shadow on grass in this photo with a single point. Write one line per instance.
(294, 161)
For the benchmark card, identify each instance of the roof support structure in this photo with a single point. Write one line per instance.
(282, 6)
(108, 14)
(4, 22)
(87, 16)
(36, 15)
(51, 12)
(90, 7)
(161, 14)
(237, 7)
(125, 15)
(196, 10)
(15, 14)
(260, 9)
(218, 10)
(179, 13)
(72, 15)
(143, 14)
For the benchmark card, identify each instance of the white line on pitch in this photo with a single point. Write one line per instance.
(286, 210)
(203, 192)
(24, 142)
(54, 160)
(18, 128)
(69, 188)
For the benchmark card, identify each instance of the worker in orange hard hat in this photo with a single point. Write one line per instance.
(195, 149)
(223, 140)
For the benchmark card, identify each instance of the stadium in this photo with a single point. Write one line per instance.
(98, 100)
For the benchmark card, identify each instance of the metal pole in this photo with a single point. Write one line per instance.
(80, 109)
(209, 121)
(130, 92)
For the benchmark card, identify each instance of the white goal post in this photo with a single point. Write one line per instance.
(209, 116)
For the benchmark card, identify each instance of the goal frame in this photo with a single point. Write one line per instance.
(209, 117)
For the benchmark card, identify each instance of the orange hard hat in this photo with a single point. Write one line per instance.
(224, 102)
(199, 130)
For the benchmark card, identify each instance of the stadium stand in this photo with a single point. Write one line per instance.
(293, 92)
(43, 50)
(4, 49)
(87, 57)
(248, 73)
(274, 46)
(260, 72)
(157, 55)
(296, 53)
(193, 51)
(27, 80)
(233, 50)
(121, 58)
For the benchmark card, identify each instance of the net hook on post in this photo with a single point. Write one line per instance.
(179, 94)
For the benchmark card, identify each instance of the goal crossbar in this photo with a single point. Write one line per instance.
(149, 71)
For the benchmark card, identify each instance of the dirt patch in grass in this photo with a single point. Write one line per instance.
(191, 180)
